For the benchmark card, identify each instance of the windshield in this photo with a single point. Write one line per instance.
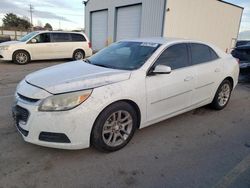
(28, 36)
(124, 55)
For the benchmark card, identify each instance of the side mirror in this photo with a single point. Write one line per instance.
(162, 69)
(33, 41)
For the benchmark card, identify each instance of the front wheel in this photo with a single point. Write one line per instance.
(222, 95)
(114, 127)
(21, 57)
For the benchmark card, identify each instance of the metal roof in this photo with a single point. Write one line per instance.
(222, 1)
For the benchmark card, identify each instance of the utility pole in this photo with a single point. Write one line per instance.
(60, 23)
(84, 2)
(31, 19)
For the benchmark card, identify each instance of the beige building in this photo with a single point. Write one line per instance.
(212, 21)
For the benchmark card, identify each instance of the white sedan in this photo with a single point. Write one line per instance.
(129, 85)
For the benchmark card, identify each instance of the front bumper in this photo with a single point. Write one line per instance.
(5, 55)
(64, 130)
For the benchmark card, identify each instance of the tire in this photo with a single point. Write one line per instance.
(222, 95)
(111, 133)
(78, 55)
(21, 57)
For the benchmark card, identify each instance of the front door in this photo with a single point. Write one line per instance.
(42, 48)
(170, 93)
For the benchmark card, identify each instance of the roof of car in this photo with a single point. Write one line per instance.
(160, 40)
(59, 32)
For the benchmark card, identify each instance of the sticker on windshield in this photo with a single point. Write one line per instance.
(149, 44)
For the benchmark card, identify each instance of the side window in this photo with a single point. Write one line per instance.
(175, 57)
(43, 38)
(77, 38)
(214, 55)
(61, 37)
(202, 54)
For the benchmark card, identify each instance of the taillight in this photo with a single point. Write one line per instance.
(90, 46)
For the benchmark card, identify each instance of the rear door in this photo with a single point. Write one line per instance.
(208, 71)
(62, 45)
(168, 94)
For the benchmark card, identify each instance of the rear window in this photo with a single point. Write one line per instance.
(61, 37)
(77, 38)
(202, 54)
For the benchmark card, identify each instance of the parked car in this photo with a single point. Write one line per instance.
(42, 45)
(242, 42)
(243, 54)
(4, 38)
(129, 85)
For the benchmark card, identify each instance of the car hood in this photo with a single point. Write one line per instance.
(10, 43)
(74, 76)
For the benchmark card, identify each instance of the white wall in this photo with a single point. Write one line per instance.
(206, 20)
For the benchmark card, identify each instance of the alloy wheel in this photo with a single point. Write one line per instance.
(117, 128)
(224, 94)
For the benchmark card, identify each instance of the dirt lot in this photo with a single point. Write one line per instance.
(202, 148)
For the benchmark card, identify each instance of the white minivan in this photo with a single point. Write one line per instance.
(43, 45)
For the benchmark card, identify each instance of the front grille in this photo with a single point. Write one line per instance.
(27, 98)
(22, 114)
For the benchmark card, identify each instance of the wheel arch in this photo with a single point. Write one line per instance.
(231, 80)
(24, 50)
(80, 49)
(130, 102)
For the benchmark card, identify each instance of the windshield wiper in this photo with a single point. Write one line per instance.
(87, 61)
(105, 66)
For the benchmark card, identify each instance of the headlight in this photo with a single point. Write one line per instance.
(4, 47)
(64, 101)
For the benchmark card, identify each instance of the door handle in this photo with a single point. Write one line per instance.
(217, 70)
(189, 78)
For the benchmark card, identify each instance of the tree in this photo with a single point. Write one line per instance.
(11, 20)
(23, 24)
(48, 27)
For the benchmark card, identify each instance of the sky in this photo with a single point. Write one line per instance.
(61, 14)
(69, 14)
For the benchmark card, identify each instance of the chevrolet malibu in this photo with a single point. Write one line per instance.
(129, 85)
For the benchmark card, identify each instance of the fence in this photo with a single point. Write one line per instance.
(14, 35)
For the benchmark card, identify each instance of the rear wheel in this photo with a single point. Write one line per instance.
(21, 57)
(78, 55)
(222, 95)
(114, 127)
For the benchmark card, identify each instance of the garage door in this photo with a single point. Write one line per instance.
(128, 23)
(99, 29)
